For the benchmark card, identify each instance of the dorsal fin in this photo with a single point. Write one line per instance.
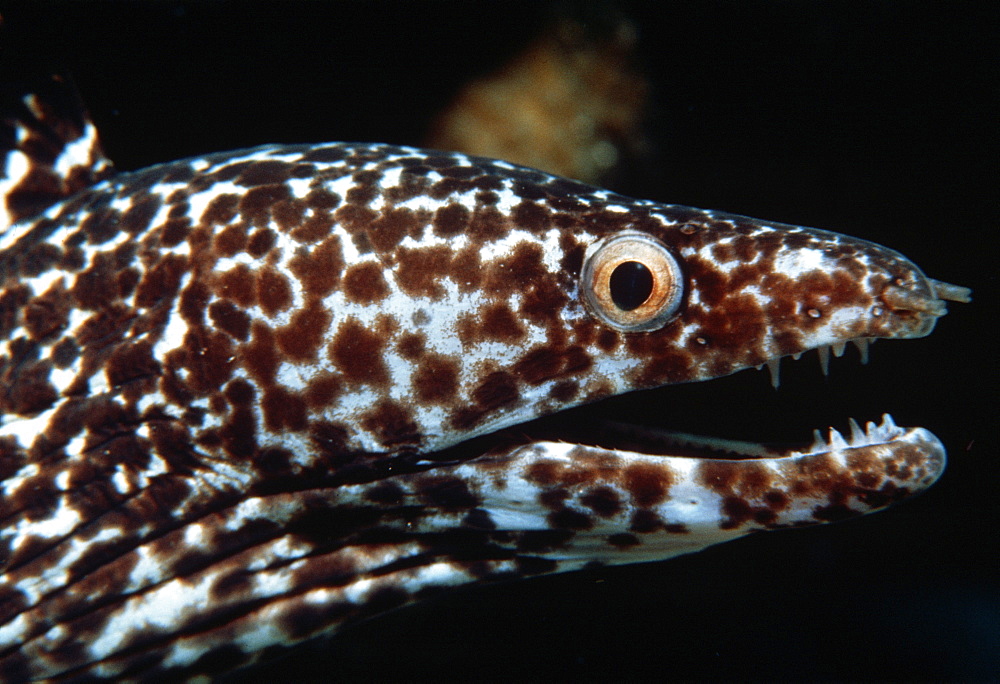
(48, 148)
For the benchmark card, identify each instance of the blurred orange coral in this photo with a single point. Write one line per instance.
(570, 103)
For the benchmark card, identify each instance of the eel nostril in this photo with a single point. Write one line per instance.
(952, 293)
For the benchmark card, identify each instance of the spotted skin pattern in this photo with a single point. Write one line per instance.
(237, 393)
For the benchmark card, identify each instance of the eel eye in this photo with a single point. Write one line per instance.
(631, 281)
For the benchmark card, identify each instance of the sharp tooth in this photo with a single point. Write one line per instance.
(862, 344)
(888, 423)
(797, 356)
(837, 440)
(819, 444)
(857, 434)
(871, 429)
(838, 348)
(774, 365)
(824, 359)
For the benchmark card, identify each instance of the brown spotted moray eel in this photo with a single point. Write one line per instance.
(251, 397)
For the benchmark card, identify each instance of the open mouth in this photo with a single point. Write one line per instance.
(805, 413)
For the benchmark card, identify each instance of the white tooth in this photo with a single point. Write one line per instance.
(888, 423)
(871, 429)
(774, 365)
(838, 348)
(862, 344)
(857, 434)
(819, 444)
(797, 356)
(837, 440)
(759, 367)
(824, 359)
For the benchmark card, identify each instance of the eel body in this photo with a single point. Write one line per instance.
(251, 397)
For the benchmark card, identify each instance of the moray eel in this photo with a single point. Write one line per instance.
(251, 397)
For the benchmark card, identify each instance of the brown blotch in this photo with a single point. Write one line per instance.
(445, 492)
(256, 203)
(776, 500)
(65, 353)
(261, 242)
(569, 519)
(411, 346)
(645, 522)
(738, 511)
(608, 340)
(487, 224)
(358, 354)
(496, 390)
(487, 197)
(175, 231)
(161, 281)
(221, 209)
(436, 379)
(12, 301)
(385, 493)
(318, 198)
(288, 215)
(240, 430)
(364, 283)
(334, 153)
(565, 391)
(392, 226)
(531, 217)
(39, 258)
(354, 218)
(209, 360)
(518, 271)
(392, 424)
(314, 228)
(559, 473)
(323, 390)
(300, 340)
(231, 240)
(95, 287)
(719, 476)
(647, 483)
(542, 303)
(48, 313)
(227, 317)
(466, 269)
(451, 220)
(29, 390)
(260, 355)
(274, 292)
(421, 270)
(499, 323)
(283, 410)
(364, 193)
(137, 217)
(319, 271)
(237, 284)
(602, 500)
(194, 303)
(266, 172)
(623, 540)
(131, 362)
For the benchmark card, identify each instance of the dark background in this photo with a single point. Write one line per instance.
(875, 119)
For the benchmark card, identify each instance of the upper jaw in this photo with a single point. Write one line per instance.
(901, 310)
